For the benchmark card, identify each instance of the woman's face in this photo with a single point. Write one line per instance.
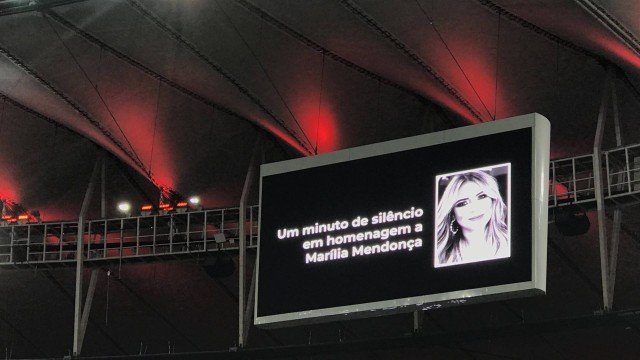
(472, 208)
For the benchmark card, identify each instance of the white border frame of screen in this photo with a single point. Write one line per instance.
(541, 131)
(437, 198)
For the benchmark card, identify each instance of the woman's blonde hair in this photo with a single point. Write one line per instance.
(496, 231)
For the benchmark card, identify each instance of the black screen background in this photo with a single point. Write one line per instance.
(364, 187)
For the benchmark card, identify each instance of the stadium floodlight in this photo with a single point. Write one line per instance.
(195, 202)
(125, 208)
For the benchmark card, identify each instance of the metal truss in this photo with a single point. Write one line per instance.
(142, 238)
(572, 179)
(166, 236)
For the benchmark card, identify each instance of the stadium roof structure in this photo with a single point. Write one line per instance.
(174, 95)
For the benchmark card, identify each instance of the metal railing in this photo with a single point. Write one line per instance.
(127, 238)
(572, 182)
(164, 236)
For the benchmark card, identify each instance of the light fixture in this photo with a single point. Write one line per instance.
(125, 208)
(195, 202)
(182, 206)
(23, 219)
(164, 208)
(145, 210)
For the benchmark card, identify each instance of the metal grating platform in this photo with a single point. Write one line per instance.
(143, 238)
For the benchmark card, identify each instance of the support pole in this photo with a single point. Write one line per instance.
(418, 320)
(248, 314)
(608, 257)
(87, 307)
(103, 183)
(77, 338)
(617, 213)
(243, 243)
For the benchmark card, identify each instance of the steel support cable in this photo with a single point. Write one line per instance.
(538, 30)
(95, 88)
(245, 91)
(270, 19)
(58, 124)
(151, 73)
(75, 106)
(32, 112)
(373, 24)
(455, 60)
(554, 38)
(264, 70)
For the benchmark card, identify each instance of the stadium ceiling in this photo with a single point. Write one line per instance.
(178, 92)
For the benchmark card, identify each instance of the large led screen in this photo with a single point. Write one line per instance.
(422, 222)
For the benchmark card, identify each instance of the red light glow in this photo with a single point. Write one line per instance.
(23, 217)
(146, 207)
(164, 206)
(320, 126)
(182, 204)
(327, 137)
(615, 47)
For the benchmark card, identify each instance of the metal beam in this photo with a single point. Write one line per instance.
(273, 21)
(103, 186)
(608, 252)
(77, 333)
(130, 153)
(599, 194)
(418, 320)
(222, 72)
(87, 307)
(27, 6)
(564, 42)
(39, 115)
(614, 26)
(248, 314)
(374, 25)
(248, 181)
(617, 213)
(155, 75)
